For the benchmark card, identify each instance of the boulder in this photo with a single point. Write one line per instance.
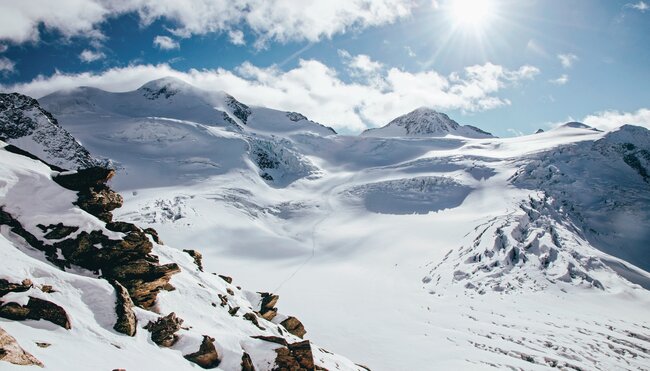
(126, 319)
(163, 331)
(207, 356)
(198, 258)
(267, 306)
(57, 231)
(12, 352)
(247, 363)
(36, 309)
(226, 278)
(154, 234)
(295, 357)
(294, 326)
(253, 318)
(7, 287)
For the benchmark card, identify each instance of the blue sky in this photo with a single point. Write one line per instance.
(510, 67)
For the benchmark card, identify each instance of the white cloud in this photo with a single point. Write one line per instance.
(88, 56)
(237, 37)
(360, 64)
(315, 89)
(410, 52)
(567, 60)
(276, 20)
(641, 6)
(608, 120)
(562, 80)
(165, 43)
(7, 66)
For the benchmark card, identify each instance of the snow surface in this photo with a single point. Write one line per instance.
(444, 250)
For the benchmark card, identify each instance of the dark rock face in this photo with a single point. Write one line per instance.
(163, 331)
(12, 352)
(36, 309)
(253, 318)
(239, 110)
(294, 326)
(94, 196)
(207, 356)
(57, 231)
(126, 321)
(295, 357)
(198, 258)
(154, 234)
(247, 363)
(226, 278)
(267, 307)
(7, 287)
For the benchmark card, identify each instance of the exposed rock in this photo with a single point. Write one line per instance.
(41, 344)
(154, 234)
(57, 231)
(226, 278)
(7, 287)
(36, 309)
(229, 291)
(94, 196)
(206, 356)
(233, 311)
(272, 339)
(247, 363)
(198, 258)
(48, 289)
(253, 318)
(126, 319)
(294, 326)
(267, 307)
(295, 357)
(12, 352)
(163, 331)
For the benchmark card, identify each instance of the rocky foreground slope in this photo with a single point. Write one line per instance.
(77, 287)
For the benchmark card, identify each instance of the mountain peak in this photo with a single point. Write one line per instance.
(164, 87)
(425, 122)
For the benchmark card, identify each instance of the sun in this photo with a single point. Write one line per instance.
(471, 14)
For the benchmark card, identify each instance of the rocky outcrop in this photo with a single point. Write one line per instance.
(247, 363)
(207, 356)
(267, 306)
(36, 309)
(57, 231)
(198, 258)
(126, 319)
(94, 196)
(7, 287)
(295, 357)
(294, 326)
(12, 352)
(163, 331)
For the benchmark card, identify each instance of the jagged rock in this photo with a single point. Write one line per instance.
(267, 307)
(247, 363)
(36, 309)
(94, 196)
(154, 234)
(57, 231)
(226, 278)
(12, 352)
(253, 318)
(233, 311)
(295, 357)
(224, 299)
(229, 291)
(145, 279)
(198, 258)
(163, 331)
(122, 227)
(48, 289)
(126, 319)
(206, 356)
(294, 326)
(7, 287)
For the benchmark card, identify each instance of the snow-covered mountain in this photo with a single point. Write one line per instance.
(425, 122)
(26, 125)
(440, 250)
(77, 288)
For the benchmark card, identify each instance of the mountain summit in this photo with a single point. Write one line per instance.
(426, 122)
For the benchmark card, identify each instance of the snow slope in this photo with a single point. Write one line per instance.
(208, 304)
(442, 249)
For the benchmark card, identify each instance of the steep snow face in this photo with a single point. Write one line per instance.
(243, 325)
(425, 122)
(26, 125)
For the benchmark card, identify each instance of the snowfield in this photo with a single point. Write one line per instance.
(422, 245)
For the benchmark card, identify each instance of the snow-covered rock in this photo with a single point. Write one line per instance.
(26, 125)
(425, 122)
